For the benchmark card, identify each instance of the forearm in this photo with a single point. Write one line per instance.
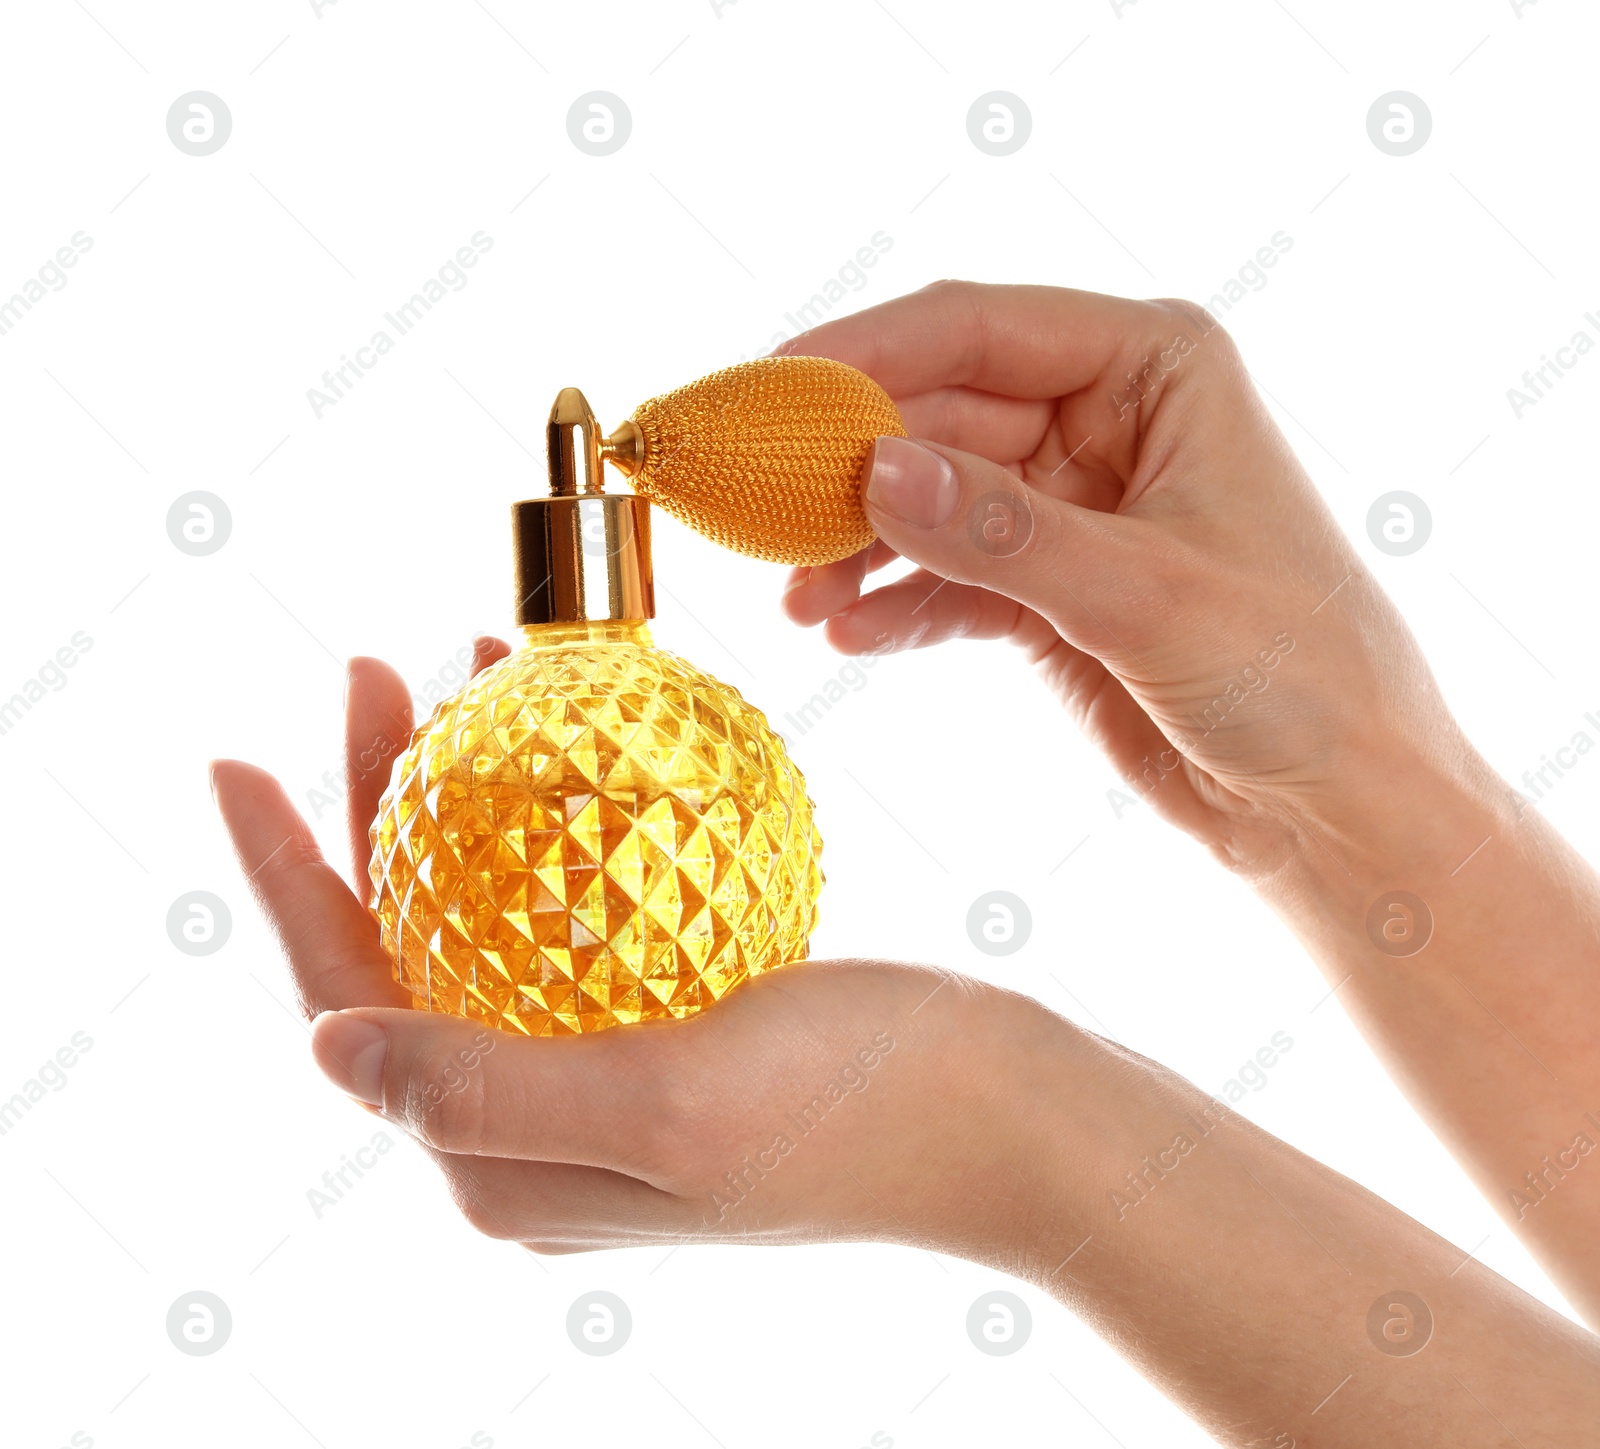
(1486, 1007)
(1274, 1300)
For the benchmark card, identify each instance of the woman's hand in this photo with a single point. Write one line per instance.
(1097, 481)
(798, 1110)
(865, 1100)
(1101, 484)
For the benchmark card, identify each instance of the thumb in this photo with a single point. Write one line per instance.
(971, 521)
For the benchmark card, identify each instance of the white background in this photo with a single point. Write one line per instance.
(768, 145)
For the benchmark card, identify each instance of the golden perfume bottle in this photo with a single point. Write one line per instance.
(595, 832)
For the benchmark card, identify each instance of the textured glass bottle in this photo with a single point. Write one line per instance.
(593, 832)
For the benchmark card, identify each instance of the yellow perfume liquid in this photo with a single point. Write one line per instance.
(594, 832)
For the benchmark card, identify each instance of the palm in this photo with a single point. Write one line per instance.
(706, 1097)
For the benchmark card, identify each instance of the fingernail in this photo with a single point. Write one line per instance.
(911, 483)
(351, 1053)
(801, 578)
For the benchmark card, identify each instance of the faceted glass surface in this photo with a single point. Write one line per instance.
(593, 832)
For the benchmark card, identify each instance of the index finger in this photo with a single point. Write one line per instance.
(1016, 340)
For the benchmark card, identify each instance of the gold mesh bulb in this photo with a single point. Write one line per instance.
(764, 457)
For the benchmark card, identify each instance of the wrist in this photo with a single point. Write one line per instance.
(988, 1188)
(1401, 818)
(1060, 1118)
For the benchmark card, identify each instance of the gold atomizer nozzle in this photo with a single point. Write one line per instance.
(624, 449)
(582, 554)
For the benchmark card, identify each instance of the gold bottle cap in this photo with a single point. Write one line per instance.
(582, 553)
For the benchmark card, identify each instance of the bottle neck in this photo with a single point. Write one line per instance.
(584, 632)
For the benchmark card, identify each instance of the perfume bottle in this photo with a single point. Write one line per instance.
(594, 832)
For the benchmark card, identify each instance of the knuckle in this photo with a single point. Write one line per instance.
(1183, 309)
(674, 1120)
(959, 292)
(478, 1206)
(674, 1129)
(297, 854)
(965, 613)
(962, 303)
(483, 1219)
(444, 1102)
(1201, 325)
